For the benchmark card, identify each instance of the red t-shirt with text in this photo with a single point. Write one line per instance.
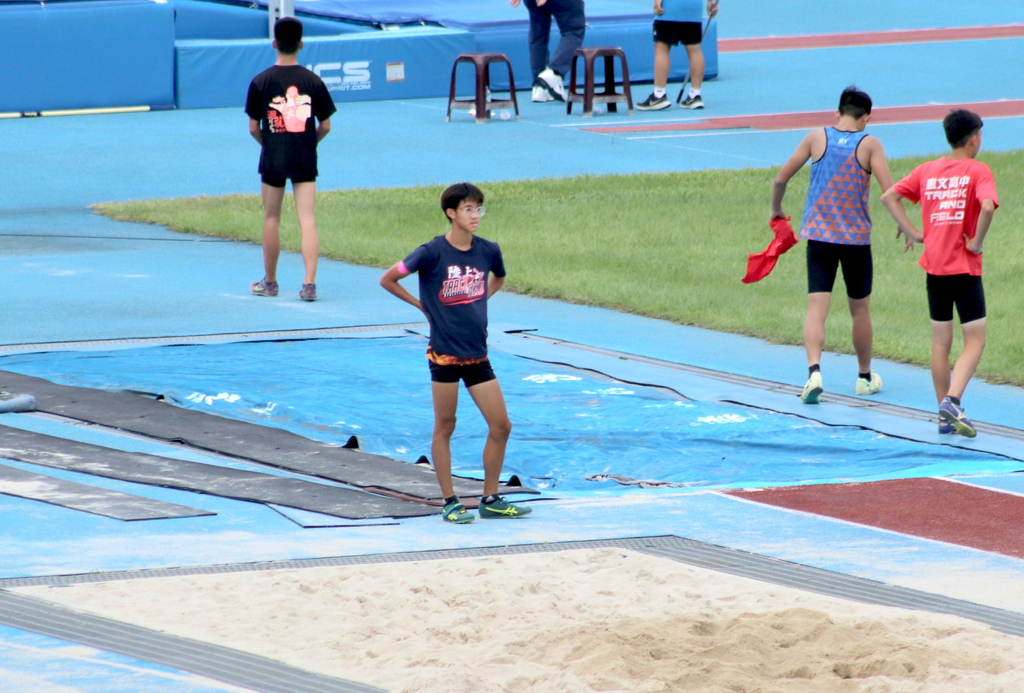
(950, 192)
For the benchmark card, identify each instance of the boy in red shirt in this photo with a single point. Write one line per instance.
(958, 197)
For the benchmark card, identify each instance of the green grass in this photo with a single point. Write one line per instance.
(671, 246)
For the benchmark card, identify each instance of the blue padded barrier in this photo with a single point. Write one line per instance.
(356, 67)
(197, 19)
(82, 55)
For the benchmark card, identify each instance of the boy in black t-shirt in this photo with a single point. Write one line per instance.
(284, 104)
(458, 272)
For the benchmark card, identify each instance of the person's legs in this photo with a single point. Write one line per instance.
(942, 344)
(662, 64)
(305, 201)
(572, 25)
(863, 333)
(696, 58)
(967, 362)
(491, 403)
(272, 200)
(446, 402)
(540, 34)
(814, 326)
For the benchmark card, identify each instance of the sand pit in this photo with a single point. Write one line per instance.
(587, 620)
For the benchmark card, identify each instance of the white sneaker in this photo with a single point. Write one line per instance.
(813, 389)
(869, 387)
(554, 84)
(540, 94)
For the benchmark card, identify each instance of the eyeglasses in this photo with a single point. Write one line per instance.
(475, 211)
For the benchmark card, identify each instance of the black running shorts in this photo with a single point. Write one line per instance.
(824, 260)
(962, 290)
(275, 182)
(674, 33)
(473, 374)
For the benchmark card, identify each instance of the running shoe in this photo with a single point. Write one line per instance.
(654, 103)
(502, 508)
(263, 288)
(308, 292)
(456, 512)
(540, 94)
(956, 416)
(553, 83)
(692, 102)
(813, 389)
(869, 387)
(946, 428)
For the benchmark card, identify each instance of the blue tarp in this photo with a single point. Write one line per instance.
(568, 425)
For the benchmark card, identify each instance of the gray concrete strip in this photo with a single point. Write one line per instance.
(238, 668)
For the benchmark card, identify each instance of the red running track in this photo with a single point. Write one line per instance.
(932, 508)
(811, 119)
(869, 38)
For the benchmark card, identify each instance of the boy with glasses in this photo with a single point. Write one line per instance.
(458, 272)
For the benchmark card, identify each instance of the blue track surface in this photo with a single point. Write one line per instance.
(70, 276)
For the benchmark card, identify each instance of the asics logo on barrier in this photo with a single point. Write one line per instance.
(355, 75)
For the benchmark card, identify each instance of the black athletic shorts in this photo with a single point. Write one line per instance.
(471, 375)
(824, 259)
(674, 33)
(276, 182)
(962, 290)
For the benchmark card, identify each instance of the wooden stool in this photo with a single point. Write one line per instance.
(483, 83)
(609, 95)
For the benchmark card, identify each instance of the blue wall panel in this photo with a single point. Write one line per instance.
(356, 67)
(86, 55)
(197, 19)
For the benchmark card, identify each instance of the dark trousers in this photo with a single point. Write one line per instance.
(568, 14)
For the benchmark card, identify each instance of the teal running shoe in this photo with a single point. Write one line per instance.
(456, 512)
(502, 508)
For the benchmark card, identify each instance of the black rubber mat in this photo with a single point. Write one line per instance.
(61, 453)
(90, 499)
(272, 446)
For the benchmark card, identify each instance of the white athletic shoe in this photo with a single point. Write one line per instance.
(554, 84)
(813, 389)
(869, 387)
(540, 94)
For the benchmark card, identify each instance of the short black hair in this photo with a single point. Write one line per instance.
(453, 196)
(959, 125)
(854, 103)
(288, 34)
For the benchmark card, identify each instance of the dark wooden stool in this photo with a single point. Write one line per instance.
(609, 95)
(483, 107)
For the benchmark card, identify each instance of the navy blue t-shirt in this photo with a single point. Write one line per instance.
(453, 291)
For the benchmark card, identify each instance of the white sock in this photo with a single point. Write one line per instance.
(694, 92)
(659, 92)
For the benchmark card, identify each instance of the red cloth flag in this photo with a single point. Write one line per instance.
(760, 265)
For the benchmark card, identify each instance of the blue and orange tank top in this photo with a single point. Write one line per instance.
(837, 198)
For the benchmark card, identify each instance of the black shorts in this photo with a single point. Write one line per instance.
(275, 182)
(824, 259)
(471, 375)
(962, 290)
(674, 33)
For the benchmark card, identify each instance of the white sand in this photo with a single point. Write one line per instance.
(587, 620)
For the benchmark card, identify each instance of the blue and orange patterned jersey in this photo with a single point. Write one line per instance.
(837, 198)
